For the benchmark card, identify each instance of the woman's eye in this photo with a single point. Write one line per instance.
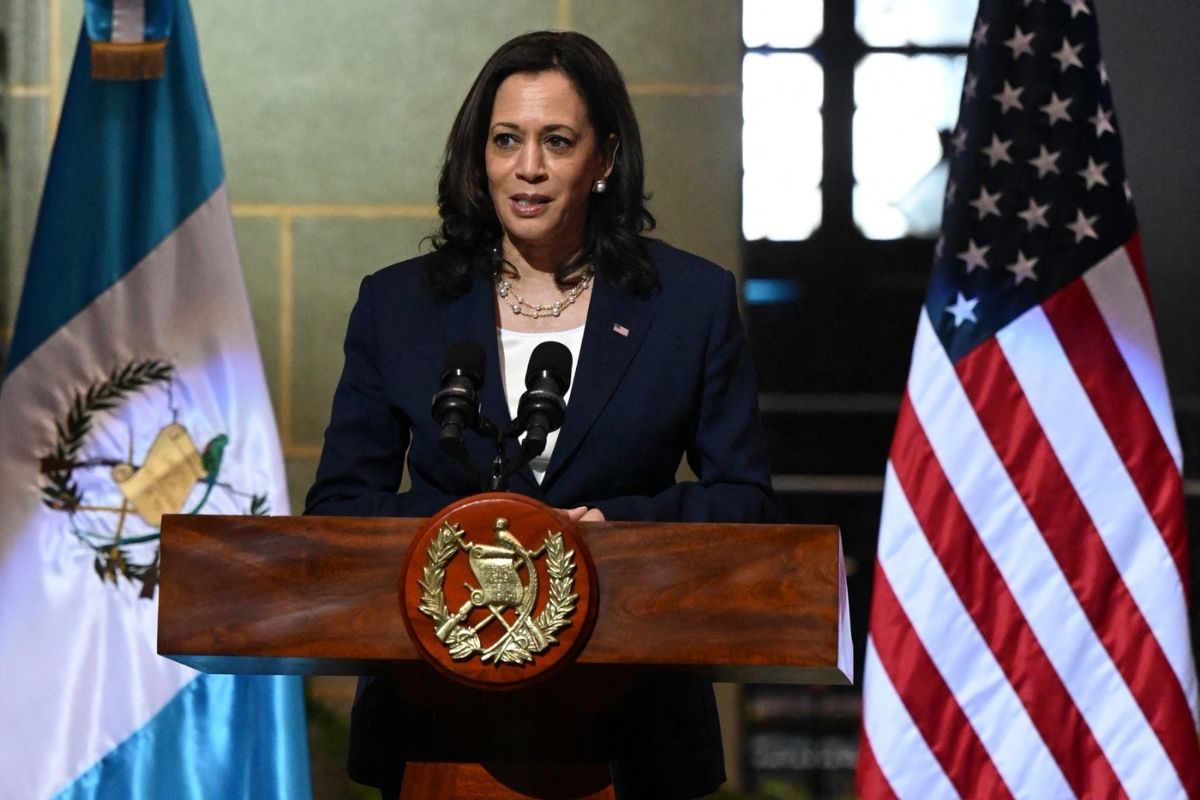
(504, 140)
(558, 142)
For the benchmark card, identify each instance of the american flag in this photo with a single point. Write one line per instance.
(1029, 629)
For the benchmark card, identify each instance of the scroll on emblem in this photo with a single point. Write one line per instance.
(496, 603)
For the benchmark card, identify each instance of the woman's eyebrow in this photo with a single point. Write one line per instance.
(554, 126)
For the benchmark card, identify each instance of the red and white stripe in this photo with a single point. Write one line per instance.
(1029, 632)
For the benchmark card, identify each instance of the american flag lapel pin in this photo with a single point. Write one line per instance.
(621, 329)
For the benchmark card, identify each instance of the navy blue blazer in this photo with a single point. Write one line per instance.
(658, 378)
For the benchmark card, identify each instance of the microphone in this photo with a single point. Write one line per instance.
(455, 407)
(542, 407)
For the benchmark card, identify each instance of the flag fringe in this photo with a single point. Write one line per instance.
(129, 61)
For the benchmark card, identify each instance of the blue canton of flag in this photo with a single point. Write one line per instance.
(1037, 190)
(1029, 622)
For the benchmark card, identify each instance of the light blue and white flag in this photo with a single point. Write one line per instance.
(134, 388)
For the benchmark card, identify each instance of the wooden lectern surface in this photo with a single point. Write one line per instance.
(318, 595)
(450, 781)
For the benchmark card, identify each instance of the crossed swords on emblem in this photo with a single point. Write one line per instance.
(496, 568)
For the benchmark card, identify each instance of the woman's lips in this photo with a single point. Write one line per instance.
(528, 205)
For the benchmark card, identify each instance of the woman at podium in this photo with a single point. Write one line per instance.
(543, 237)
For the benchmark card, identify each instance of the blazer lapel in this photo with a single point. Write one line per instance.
(617, 323)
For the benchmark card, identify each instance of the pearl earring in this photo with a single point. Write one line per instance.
(599, 187)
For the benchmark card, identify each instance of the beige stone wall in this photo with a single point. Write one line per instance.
(332, 118)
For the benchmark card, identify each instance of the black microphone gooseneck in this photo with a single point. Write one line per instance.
(455, 406)
(542, 407)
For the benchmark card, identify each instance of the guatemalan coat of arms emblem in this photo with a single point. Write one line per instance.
(497, 590)
(114, 493)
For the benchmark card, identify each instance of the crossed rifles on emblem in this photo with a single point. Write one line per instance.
(496, 568)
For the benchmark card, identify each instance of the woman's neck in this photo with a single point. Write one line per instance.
(536, 261)
(534, 285)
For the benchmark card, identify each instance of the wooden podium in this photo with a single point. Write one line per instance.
(323, 595)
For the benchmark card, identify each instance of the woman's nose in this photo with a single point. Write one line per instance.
(531, 165)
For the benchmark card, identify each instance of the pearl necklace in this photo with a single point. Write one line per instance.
(505, 290)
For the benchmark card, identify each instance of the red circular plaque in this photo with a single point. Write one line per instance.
(497, 591)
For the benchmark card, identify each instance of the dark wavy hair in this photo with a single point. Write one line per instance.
(466, 243)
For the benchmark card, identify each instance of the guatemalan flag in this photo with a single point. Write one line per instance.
(1029, 624)
(133, 389)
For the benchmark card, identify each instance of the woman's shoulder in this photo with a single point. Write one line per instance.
(427, 278)
(679, 269)
(408, 273)
(402, 284)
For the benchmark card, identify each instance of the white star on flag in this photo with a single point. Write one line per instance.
(1078, 7)
(1083, 226)
(1056, 109)
(1022, 268)
(960, 142)
(1046, 161)
(986, 203)
(1067, 56)
(974, 257)
(997, 151)
(1094, 173)
(1009, 98)
(969, 86)
(1035, 215)
(1102, 122)
(1020, 43)
(979, 37)
(963, 309)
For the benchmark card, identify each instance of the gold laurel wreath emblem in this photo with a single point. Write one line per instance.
(520, 642)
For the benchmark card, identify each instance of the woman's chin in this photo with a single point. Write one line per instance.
(541, 234)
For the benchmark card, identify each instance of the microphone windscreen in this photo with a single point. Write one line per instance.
(465, 356)
(553, 358)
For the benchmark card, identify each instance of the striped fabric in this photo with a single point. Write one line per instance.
(1029, 628)
(133, 388)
